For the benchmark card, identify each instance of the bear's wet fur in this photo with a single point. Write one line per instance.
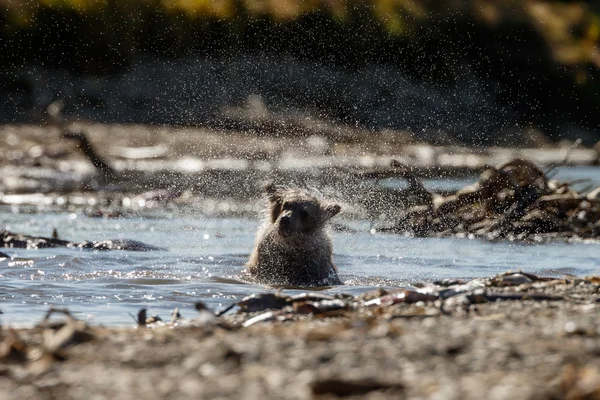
(293, 246)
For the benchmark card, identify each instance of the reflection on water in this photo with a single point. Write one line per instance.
(206, 258)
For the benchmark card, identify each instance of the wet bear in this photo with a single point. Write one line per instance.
(293, 246)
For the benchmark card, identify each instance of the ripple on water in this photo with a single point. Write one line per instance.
(105, 287)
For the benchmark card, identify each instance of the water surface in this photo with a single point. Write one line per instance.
(205, 260)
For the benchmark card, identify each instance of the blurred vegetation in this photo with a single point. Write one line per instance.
(539, 52)
(569, 30)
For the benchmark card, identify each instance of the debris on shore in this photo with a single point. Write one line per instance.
(515, 197)
(517, 334)
(516, 201)
(19, 241)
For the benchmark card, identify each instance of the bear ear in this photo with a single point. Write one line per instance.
(272, 191)
(331, 210)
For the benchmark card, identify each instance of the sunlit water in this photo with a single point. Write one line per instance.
(205, 260)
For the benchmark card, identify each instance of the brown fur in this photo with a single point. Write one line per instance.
(293, 246)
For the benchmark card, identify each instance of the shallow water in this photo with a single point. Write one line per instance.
(206, 257)
(583, 179)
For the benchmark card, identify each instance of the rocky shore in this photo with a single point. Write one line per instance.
(113, 170)
(514, 335)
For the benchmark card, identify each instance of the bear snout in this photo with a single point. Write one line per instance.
(286, 223)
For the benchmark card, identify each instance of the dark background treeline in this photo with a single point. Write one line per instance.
(538, 62)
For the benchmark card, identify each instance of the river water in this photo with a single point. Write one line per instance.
(205, 257)
(205, 260)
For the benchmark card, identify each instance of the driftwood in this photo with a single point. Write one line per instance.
(15, 240)
(515, 200)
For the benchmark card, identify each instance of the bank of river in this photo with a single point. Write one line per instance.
(514, 336)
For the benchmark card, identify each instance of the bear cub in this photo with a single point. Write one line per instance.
(293, 246)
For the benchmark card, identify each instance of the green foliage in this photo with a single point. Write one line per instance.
(176, 27)
(537, 51)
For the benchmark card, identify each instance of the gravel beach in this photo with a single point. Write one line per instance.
(512, 336)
